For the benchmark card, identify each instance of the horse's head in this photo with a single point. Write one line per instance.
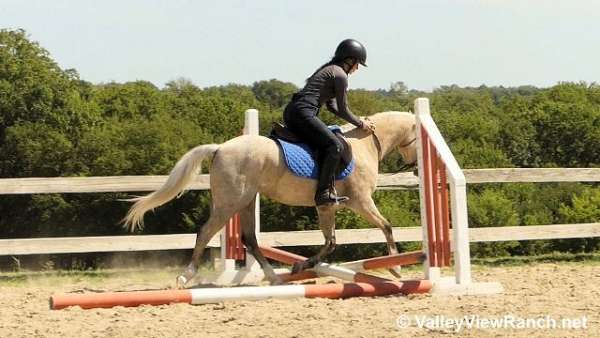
(397, 131)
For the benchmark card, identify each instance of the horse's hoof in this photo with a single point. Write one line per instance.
(180, 282)
(276, 281)
(297, 267)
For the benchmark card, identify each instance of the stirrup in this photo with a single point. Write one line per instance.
(330, 197)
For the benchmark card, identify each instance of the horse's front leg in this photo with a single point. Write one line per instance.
(327, 225)
(366, 208)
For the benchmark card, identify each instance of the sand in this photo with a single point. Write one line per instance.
(569, 291)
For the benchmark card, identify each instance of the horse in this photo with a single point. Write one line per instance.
(246, 165)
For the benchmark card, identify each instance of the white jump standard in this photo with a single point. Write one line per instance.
(438, 171)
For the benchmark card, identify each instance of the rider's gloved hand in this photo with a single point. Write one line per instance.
(367, 125)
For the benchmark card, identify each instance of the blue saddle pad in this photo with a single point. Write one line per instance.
(300, 160)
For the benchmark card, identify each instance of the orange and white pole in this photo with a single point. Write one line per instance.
(401, 259)
(216, 295)
(321, 269)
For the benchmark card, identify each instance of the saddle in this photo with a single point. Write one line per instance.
(279, 133)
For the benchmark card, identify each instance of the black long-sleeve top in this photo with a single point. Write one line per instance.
(329, 86)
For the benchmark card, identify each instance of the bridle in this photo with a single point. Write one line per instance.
(406, 166)
(408, 143)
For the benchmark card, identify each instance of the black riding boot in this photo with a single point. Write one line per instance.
(326, 193)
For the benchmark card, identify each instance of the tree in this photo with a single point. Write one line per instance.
(492, 208)
(274, 93)
(34, 88)
(38, 102)
(583, 208)
(130, 100)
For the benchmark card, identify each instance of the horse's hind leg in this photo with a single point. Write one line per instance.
(327, 225)
(249, 239)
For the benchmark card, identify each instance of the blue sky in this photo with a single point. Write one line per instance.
(424, 43)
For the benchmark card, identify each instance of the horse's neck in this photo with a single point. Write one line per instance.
(391, 132)
(376, 146)
(390, 136)
(365, 142)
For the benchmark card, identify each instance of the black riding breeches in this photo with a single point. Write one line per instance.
(302, 120)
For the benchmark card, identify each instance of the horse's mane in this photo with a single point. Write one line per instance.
(376, 117)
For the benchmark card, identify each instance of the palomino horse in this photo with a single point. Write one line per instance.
(250, 164)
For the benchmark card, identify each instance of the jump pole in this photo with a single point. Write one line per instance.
(217, 295)
(401, 259)
(324, 269)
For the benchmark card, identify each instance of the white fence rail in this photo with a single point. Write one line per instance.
(46, 185)
(288, 238)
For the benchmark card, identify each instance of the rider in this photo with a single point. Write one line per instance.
(327, 85)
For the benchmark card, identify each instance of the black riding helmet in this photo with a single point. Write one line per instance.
(351, 48)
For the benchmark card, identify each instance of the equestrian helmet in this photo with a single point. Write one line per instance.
(351, 48)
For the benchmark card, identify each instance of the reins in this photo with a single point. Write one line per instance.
(378, 145)
(406, 166)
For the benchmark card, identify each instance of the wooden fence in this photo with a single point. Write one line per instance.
(290, 238)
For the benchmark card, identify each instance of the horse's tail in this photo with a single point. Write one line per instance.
(180, 177)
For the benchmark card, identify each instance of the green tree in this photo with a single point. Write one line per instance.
(492, 208)
(36, 149)
(583, 208)
(129, 100)
(276, 94)
(33, 88)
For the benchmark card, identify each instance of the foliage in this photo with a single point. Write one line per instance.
(582, 208)
(274, 92)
